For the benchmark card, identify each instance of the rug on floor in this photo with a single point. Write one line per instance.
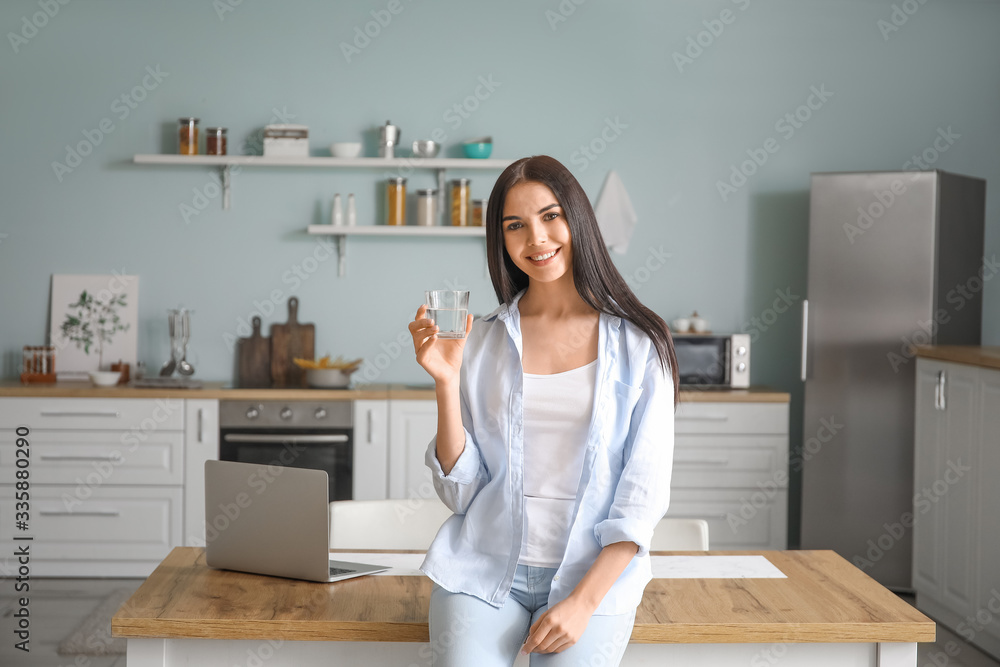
(93, 635)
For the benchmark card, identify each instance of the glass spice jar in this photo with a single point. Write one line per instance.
(395, 201)
(188, 135)
(460, 202)
(427, 207)
(478, 211)
(215, 141)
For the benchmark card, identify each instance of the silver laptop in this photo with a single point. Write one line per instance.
(272, 520)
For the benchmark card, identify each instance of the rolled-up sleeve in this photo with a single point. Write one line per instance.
(642, 494)
(458, 488)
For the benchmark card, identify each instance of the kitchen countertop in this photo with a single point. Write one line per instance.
(823, 599)
(973, 355)
(222, 390)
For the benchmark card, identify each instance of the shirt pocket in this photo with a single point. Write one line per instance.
(624, 399)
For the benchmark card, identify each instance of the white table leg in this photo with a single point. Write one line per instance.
(897, 654)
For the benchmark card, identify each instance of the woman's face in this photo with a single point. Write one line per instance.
(534, 225)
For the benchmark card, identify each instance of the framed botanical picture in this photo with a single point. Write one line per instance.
(94, 322)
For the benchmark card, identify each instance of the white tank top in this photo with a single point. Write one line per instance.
(557, 414)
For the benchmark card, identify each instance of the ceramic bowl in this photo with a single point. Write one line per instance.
(105, 378)
(327, 378)
(345, 149)
(479, 150)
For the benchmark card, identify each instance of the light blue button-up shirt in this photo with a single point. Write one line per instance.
(624, 489)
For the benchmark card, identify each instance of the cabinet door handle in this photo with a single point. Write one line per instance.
(81, 513)
(805, 338)
(278, 439)
(939, 387)
(63, 413)
(74, 457)
(371, 425)
(201, 425)
(942, 378)
(717, 460)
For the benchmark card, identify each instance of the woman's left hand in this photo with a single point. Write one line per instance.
(559, 627)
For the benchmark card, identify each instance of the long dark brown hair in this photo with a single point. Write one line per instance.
(597, 279)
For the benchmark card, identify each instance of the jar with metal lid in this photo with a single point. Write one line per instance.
(188, 136)
(395, 201)
(215, 141)
(460, 202)
(478, 212)
(427, 207)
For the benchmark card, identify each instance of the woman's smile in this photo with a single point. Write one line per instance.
(543, 258)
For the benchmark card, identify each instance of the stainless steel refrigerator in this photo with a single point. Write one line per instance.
(894, 259)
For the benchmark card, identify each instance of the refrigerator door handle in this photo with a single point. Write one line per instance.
(805, 337)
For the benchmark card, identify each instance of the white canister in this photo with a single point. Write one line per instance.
(427, 207)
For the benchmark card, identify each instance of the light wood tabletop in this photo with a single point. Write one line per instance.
(823, 599)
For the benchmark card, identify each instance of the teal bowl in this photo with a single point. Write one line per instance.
(479, 151)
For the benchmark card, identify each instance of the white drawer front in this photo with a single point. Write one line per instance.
(114, 523)
(731, 418)
(138, 415)
(89, 459)
(726, 461)
(745, 519)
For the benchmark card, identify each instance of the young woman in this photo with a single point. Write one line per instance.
(554, 442)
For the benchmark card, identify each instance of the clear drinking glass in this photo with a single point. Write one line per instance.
(448, 309)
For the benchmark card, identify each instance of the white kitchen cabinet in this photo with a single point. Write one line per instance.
(371, 445)
(731, 469)
(412, 424)
(988, 509)
(201, 443)
(956, 555)
(115, 483)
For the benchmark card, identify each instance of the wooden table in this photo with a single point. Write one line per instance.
(826, 612)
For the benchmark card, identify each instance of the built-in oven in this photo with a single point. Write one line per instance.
(300, 434)
(713, 361)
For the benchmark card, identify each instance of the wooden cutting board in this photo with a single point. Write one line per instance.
(288, 341)
(254, 359)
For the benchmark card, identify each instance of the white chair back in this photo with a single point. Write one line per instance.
(386, 524)
(680, 535)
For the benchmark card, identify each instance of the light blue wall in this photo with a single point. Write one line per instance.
(559, 82)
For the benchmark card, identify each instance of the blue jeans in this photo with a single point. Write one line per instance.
(466, 631)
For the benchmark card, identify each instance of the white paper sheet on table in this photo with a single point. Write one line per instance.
(403, 565)
(714, 567)
(664, 567)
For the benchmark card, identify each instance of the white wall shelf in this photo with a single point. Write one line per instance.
(341, 232)
(227, 162)
(395, 230)
(327, 162)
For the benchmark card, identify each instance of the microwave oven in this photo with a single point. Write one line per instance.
(708, 360)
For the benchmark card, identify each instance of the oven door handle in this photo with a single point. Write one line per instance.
(266, 437)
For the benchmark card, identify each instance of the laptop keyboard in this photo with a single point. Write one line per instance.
(334, 571)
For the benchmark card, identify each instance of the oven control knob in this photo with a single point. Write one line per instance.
(741, 351)
(286, 413)
(253, 412)
(741, 367)
(320, 413)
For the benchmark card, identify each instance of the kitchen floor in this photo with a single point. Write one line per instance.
(59, 605)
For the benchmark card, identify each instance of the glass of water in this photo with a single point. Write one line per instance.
(448, 309)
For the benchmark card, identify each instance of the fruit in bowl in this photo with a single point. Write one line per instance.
(327, 374)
